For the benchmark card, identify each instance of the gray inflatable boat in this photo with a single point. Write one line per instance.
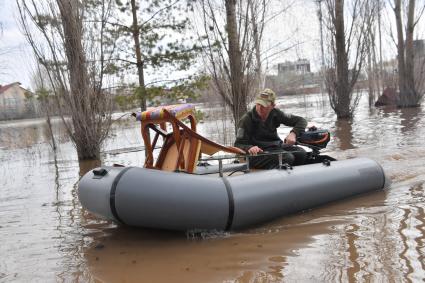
(179, 201)
(173, 192)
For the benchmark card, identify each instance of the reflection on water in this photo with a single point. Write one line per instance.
(343, 131)
(87, 165)
(379, 237)
(409, 118)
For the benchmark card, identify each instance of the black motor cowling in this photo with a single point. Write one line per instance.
(315, 137)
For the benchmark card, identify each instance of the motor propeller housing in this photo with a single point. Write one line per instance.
(318, 138)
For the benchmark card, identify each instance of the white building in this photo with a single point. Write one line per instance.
(299, 67)
(15, 102)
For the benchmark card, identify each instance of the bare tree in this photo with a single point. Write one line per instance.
(233, 33)
(409, 84)
(58, 36)
(380, 9)
(235, 60)
(374, 68)
(370, 72)
(258, 18)
(41, 84)
(347, 51)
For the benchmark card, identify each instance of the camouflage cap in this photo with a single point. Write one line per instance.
(266, 97)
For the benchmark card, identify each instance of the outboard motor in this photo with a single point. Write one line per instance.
(315, 138)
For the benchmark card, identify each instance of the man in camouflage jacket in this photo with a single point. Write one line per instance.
(257, 132)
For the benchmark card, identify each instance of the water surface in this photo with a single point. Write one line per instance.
(47, 237)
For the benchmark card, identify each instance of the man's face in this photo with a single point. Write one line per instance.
(262, 111)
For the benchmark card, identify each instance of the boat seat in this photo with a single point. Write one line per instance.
(192, 145)
(181, 147)
(168, 157)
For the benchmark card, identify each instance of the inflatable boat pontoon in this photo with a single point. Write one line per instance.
(174, 193)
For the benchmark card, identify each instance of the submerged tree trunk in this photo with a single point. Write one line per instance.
(400, 47)
(370, 80)
(45, 104)
(347, 43)
(409, 95)
(82, 97)
(88, 107)
(375, 68)
(342, 107)
(381, 61)
(235, 59)
(373, 73)
(63, 54)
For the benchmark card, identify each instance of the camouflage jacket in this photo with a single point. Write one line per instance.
(252, 131)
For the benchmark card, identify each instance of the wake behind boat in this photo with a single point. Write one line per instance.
(178, 190)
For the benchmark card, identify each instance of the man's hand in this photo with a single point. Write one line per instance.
(291, 138)
(254, 150)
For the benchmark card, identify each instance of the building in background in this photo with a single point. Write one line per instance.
(294, 77)
(299, 67)
(16, 102)
(419, 48)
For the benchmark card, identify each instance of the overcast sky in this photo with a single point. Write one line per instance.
(298, 27)
(17, 64)
(15, 55)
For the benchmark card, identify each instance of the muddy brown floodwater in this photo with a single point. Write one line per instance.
(47, 237)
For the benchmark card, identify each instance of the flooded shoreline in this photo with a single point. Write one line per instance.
(47, 236)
